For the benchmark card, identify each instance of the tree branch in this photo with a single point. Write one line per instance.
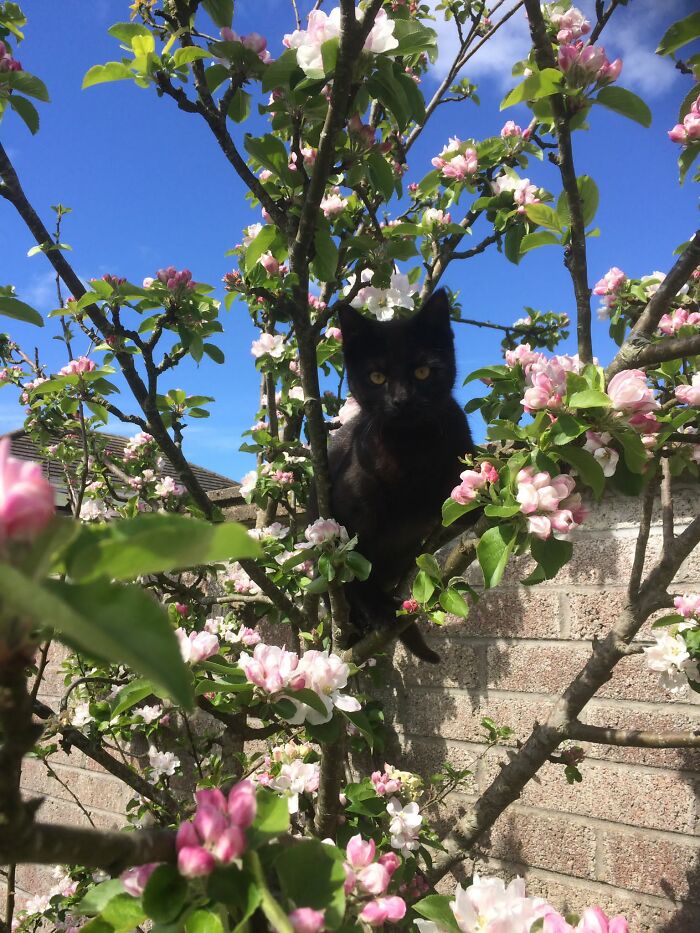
(633, 738)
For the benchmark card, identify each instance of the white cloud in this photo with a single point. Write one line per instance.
(632, 34)
(40, 292)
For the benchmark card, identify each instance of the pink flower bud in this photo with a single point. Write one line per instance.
(26, 497)
(377, 913)
(195, 861)
(211, 797)
(242, 805)
(209, 823)
(307, 920)
(390, 861)
(134, 879)
(230, 845)
(374, 879)
(186, 836)
(410, 605)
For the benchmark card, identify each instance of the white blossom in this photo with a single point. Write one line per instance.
(162, 763)
(404, 825)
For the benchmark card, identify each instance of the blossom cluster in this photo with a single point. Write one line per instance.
(549, 503)
(326, 532)
(545, 377)
(172, 279)
(196, 646)
(253, 41)
(523, 191)
(325, 26)
(216, 835)
(365, 876)
(689, 130)
(490, 904)
(671, 323)
(78, 367)
(457, 161)
(7, 62)
(670, 656)
(472, 481)
(274, 670)
(587, 64)
(383, 302)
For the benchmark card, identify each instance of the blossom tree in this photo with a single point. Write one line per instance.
(238, 645)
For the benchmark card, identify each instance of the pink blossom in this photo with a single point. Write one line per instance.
(334, 333)
(216, 835)
(461, 166)
(325, 531)
(134, 879)
(610, 283)
(689, 129)
(390, 861)
(195, 861)
(388, 782)
(269, 263)
(472, 481)
(671, 323)
(688, 605)
(587, 64)
(7, 62)
(510, 128)
(449, 150)
(332, 205)
(522, 356)
(175, 280)
(241, 804)
(181, 609)
(78, 367)
(374, 879)
(571, 25)
(595, 920)
(307, 920)
(197, 646)
(360, 852)
(644, 422)
(383, 910)
(410, 605)
(322, 27)
(607, 457)
(539, 493)
(630, 393)
(268, 345)
(26, 497)
(272, 668)
(253, 41)
(689, 395)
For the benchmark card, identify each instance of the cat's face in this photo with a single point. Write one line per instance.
(400, 370)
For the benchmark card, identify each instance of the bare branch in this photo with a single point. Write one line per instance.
(634, 738)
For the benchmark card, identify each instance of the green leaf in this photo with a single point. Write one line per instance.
(590, 197)
(383, 86)
(325, 262)
(165, 894)
(125, 32)
(679, 34)
(119, 915)
(239, 108)
(311, 698)
(501, 511)
(589, 398)
(415, 99)
(214, 353)
(453, 602)
(132, 694)
(122, 625)
(624, 102)
(14, 308)
(189, 54)
(99, 411)
(271, 153)
(634, 451)
(204, 921)
(551, 555)
(423, 587)
(452, 510)
(237, 888)
(155, 543)
(27, 84)
(98, 897)
(359, 565)
(567, 428)
(539, 238)
(511, 244)
(493, 550)
(261, 244)
(329, 55)
(271, 820)
(436, 907)
(589, 468)
(361, 722)
(429, 564)
(380, 174)
(279, 72)
(26, 110)
(686, 159)
(221, 11)
(542, 84)
(543, 216)
(673, 619)
(312, 874)
(101, 74)
(413, 38)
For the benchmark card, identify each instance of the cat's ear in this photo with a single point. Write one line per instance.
(435, 313)
(353, 325)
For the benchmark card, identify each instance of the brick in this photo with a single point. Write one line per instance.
(67, 812)
(650, 798)
(593, 614)
(92, 789)
(660, 866)
(433, 713)
(37, 879)
(543, 841)
(427, 756)
(528, 612)
(459, 667)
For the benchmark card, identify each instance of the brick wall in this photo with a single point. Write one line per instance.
(626, 838)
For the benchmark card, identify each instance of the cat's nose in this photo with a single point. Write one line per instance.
(399, 398)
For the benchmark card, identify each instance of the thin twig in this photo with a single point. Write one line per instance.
(633, 738)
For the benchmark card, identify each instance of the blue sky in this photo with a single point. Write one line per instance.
(149, 188)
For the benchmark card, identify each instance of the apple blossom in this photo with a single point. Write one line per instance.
(689, 129)
(607, 457)
(216, 835)
(78, 367)
(670, 324)
(571, 25)
(307, 920)
(272, 668)
(332, 204)
(294, 778)
(382, 910)
(269, 263)
(689, 395)
(448, 151)
(26, 497)
(587, 64)
(162, 763)
(175, 280)
(253, 41)
(250, 233)
(461, 166)
(630, 393)
(7, 62)
(436, 218)
(387, 782)
(688, 605)
(268, 344)
(134, 879)
(149, 714)
(510, 128)
(404, 825)
(334, 333)
(326, 531)
(197, 646)
(669, 657)
(382, 302)
(326, 674)
(488, 904)
(472, 481)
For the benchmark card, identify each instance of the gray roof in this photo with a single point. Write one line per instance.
(24, 448)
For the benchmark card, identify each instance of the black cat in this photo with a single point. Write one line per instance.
(395, 462)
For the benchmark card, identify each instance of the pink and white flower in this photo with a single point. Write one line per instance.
(325, 531)
(197, 646)
(671, 323)
(689, 129)
(472, 482)
(162, 763)
(688, 605)
(630, 393)
(135, 879)
(307, 920)
(404, 825)
(607, 457)
(689, 395)
(669, 657)
(382, 302)
(571, 25)
(611, 282)
(489, 904)
(333, 204)
(510, 128)
(78, 367)
(294, 778)
(268, 345)
(216, 835)
(384, 910)
(461, 166)
(327, 675)
(272, 669)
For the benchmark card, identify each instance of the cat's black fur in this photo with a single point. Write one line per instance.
(394, 464)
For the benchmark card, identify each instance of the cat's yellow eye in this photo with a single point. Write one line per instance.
(422, 372)
(377, 378)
